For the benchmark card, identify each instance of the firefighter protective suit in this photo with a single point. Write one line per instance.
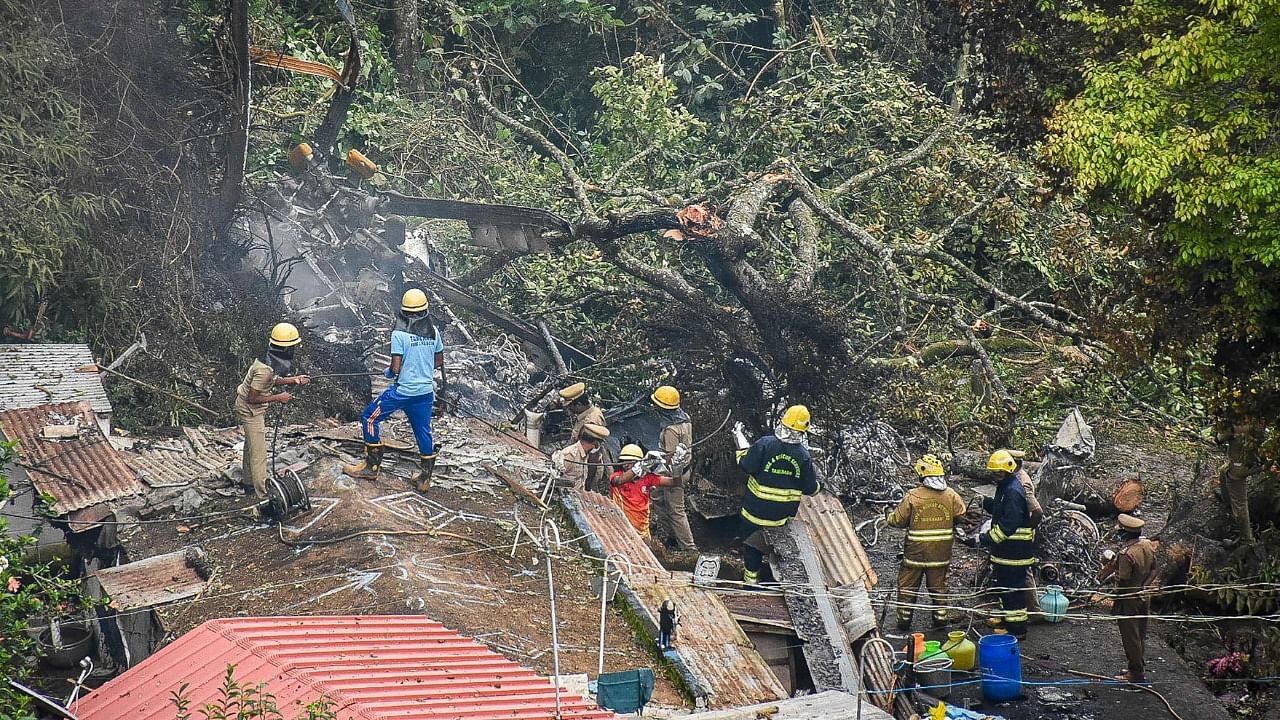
(929, 517)
(1011, 542)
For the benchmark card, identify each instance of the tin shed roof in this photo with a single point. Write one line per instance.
(374, 667)
(42, 373)
(152, 581)
(79, 472)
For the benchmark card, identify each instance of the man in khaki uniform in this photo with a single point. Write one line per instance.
(928, 512)
(253, 396)
(577, 401)
(1133, 568)
(675, 440)
(581, 464)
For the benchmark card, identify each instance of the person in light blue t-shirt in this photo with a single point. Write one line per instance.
(417, 351)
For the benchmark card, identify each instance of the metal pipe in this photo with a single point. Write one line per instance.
(604, 593)
(549, 524)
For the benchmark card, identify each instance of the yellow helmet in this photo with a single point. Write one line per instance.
(631, 452)
(414, 300)
(796, 418)
(285, 335)
(1003, 461)
(929, 466)
(666, 397)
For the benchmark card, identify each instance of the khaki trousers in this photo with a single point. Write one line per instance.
(253, 463)
(1133, 633)
(671, 514)
(935, 578)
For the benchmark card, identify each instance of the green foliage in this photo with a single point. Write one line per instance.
(238, 701)
(44, 151)
(1180, 121)
(29, 589)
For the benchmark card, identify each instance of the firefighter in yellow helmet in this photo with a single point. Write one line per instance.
(417, 352)
(675, 440)
(256, 391)
(1011, 542)
(779, 471)
(928, 513)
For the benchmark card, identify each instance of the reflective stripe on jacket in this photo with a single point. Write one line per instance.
(1011, 539)
(929, 517)
(779, 474)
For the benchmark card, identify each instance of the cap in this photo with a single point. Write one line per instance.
(1129, 522)
(599, 432)
(574, 391)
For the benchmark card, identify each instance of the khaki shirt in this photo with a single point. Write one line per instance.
(574, 463)
(260, 377)
(1134, 564)
(673, 435)
(1033, 504)
(592, 414)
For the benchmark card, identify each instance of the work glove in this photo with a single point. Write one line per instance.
(1108, 555)
(680, 458)
(388, 374)
(652, 462)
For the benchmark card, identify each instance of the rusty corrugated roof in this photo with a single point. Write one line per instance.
(715, 651)
(713, 647)
(79, 473)
(374, 667)
(150, 582)
(616, 535)
(758, 607)
(844, 561)
(41, 373)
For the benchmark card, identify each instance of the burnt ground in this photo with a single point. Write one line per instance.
(1092, 645)
(393, 551)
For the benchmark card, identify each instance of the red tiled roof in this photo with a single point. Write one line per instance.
(374, 667)
(79, 473)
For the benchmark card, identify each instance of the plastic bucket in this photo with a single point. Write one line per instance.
(934, 675)
(1001, 666)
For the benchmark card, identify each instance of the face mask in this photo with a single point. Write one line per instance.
(280, 360)
(937, 482)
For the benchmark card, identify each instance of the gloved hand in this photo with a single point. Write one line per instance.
(652, 462)
(388, 374)
(1108, 555)
(680, 458)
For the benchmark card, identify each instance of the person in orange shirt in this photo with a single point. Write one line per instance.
(630, 484)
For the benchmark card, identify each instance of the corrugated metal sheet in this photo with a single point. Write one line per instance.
(165, 463)
(616, 535)
(374, 667)
(714, 654)
(844, 561)
(79, 473)
(713, 647)
(43, 373)
(150, 582)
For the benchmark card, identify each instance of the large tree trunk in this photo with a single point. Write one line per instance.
(406, 44)
(237, 149)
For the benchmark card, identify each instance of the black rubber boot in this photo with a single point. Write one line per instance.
(426, 466)
(367, 469)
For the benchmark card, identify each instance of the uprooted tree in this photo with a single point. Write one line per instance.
(820, 239)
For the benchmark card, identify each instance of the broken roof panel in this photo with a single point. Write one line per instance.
(78, 472)
(154, 581)
(42, 373)
(758, 607)
(171, 462)
(713, 647)
(844, 561)
(612, 533)
(375, 667)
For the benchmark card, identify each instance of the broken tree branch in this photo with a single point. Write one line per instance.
(537, 139)
(897, 163)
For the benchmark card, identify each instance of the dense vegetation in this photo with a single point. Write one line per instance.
(961, 217)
